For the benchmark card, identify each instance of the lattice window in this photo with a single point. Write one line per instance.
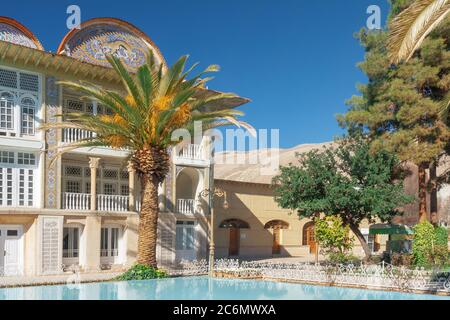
(74, 105)
(9, 186)
(87, 172)
(29, 82)
(26, 158)
(124, 175)
(124, 190)
(6, 111)
(110, 174)
(28, 114)
(25, 187)
(73, 186)
(109, 188)
(6, 157)
(8, 78)
(73, 171)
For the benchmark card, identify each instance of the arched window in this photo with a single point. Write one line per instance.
(6, 111)
(28, 113)
(234, 223)
(276, 224)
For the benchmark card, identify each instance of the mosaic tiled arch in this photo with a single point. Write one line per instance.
(100, 36)
(14, 32)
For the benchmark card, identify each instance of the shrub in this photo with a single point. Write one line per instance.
(334, 239)
(402, 259)
(142, 272)
(430, 245)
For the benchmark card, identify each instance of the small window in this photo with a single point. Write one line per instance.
(8, 78)
(29, 82)
(74, 105)
(12, 233)
(110, 174)
(6, 157)
(26, 158)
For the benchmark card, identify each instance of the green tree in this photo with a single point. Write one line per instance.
(153, 104)
(333, 237)
(401, 105)
(346, 181)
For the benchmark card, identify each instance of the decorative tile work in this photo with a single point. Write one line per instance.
(11, 34)
(52, 101)
(92, 43)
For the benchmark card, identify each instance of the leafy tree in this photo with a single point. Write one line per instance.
(333, 237)
(401, 105)
(153, 104)
(430, 246)
(346, 181)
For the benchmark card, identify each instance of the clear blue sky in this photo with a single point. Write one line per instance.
(296, 59)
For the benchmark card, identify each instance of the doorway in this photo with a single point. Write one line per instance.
(309, 238)
(234, 226)
(10, 251)
(234, 242)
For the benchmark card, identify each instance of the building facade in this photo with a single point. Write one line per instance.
(82, 208)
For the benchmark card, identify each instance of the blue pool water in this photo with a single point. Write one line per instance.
(200, 288)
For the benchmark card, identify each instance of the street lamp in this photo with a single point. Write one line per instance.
(220, 193)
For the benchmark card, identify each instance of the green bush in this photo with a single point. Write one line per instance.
(142, 272)
(430, 247)
(334, 239)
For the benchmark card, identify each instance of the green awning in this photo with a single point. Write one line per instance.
(390, 229)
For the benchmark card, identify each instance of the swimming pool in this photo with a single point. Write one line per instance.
(200, 288)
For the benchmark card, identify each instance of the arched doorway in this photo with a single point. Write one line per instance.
(309, 238)
(234, 226)
(276, 226)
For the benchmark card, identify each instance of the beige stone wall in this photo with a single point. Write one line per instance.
(255, 204)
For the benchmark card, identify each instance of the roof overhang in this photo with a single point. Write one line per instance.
(67, 68)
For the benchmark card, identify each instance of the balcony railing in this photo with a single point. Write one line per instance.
(70, 135)
(191, 151)
(186, 206)
(76, 201)
(82, 201)
(115, 203)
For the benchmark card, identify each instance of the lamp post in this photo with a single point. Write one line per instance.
(220, 193)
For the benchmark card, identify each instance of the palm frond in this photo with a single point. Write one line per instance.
(408, 30)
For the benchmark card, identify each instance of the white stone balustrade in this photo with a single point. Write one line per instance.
(71, 135)
(76, 201)
(186, 206)
(191, 151)
(114, 203)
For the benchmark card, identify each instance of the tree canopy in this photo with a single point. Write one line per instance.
(347, 180)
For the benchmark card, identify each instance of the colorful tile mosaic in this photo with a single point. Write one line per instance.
(11, 34)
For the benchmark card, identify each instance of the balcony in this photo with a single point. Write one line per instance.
(71, 135)
(186, 206)
(191, 151)
(193, 154)
(108, 203)
(76, 201)
(115, 203)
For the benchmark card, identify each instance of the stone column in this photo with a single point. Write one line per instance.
(93, 164)
(132, 188)
(90, 256)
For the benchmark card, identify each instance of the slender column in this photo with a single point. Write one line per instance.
(132, 188)
(93, 164)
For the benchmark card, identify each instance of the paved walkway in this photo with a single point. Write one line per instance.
(66, 278)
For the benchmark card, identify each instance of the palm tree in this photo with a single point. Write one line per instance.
(408, 29)
(155, 102)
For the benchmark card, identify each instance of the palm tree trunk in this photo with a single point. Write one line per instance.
(362, 240)
(148, 222)
(433, 194)
(422, 177)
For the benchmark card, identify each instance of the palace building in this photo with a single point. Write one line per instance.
(81, 209)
